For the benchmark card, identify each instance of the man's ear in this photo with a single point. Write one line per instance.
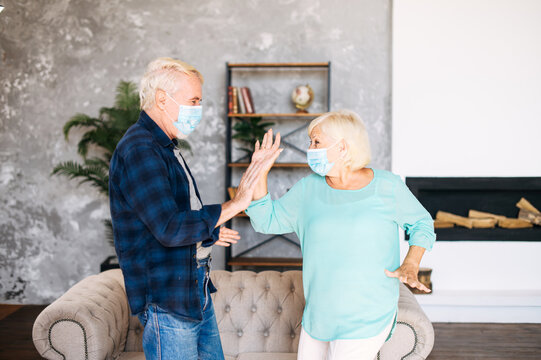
(160, 98)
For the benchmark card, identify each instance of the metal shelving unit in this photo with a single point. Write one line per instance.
(239, 164)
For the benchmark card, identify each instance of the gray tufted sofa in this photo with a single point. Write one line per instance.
(258, 315)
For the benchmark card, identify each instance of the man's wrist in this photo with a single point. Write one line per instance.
(237, 206)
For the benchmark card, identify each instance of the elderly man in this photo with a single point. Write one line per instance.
(163, 232)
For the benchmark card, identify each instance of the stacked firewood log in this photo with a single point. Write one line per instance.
(528, 216)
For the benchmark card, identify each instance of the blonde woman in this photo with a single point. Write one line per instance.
(347, 217)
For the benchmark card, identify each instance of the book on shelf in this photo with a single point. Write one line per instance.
(242, 106)
(235, 100)
(247, 98)
(230, 99)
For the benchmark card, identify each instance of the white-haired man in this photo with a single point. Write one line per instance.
(163, 232)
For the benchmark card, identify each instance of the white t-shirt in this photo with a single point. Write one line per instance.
(195, 204)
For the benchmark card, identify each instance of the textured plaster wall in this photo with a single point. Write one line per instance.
(68, 56)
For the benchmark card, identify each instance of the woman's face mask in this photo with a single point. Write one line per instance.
(188, 118)
(318, 160)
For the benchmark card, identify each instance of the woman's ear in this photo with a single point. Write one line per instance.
(343, 146)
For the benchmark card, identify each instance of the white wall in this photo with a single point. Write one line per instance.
(467, 102)
(467, 87)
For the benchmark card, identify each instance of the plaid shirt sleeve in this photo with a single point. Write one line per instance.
(145, 187)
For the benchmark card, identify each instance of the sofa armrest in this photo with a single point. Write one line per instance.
(413, 337)
(90, 321)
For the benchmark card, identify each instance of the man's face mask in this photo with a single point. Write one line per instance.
(318, 160)
(188, 118)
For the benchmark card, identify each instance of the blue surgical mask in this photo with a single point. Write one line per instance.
(188, 118)
(318, 160)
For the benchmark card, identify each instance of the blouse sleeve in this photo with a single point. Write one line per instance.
(412, 217)
(277, 216)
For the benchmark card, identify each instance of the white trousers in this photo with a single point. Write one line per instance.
(354, 349)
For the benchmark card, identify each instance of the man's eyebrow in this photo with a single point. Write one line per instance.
(195, 98)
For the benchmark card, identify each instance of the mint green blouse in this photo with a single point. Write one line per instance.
(348, 238)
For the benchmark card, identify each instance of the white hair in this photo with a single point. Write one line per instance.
(347, 125)
(162, 74)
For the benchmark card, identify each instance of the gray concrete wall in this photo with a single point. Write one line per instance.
(68, 57)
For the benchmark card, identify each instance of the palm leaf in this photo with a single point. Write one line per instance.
(93, 174)
(98, 163)
(79, 120)
(126, 96)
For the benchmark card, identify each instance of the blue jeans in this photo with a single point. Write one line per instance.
(170, 337)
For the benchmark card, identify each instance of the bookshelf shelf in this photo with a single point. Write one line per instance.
(292, 115)
(242, 259)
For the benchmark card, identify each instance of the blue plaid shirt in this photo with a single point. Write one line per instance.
(154, 227)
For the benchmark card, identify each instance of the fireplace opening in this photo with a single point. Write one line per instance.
(494, 195)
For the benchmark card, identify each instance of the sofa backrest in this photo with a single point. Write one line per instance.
(258, 312)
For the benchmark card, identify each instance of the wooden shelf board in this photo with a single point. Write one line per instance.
(253, 261)
(288, 115)
(278, 65)
(276, 165)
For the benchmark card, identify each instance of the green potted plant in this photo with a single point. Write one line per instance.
(248, 130)
(100, 138)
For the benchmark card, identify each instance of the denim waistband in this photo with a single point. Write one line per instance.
(204, 262)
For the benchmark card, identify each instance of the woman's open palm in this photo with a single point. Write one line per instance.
(268, 151)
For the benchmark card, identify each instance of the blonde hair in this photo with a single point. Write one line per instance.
(347, 125)
(161, 74)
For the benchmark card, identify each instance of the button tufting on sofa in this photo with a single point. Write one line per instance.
(254, 308)
(240, 333)
(227, 308)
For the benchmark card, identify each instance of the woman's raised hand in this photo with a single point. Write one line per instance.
(262, 161)
(268, 151)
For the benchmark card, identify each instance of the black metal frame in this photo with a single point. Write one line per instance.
(228, 148)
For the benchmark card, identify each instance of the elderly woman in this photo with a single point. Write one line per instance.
(346, 216)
